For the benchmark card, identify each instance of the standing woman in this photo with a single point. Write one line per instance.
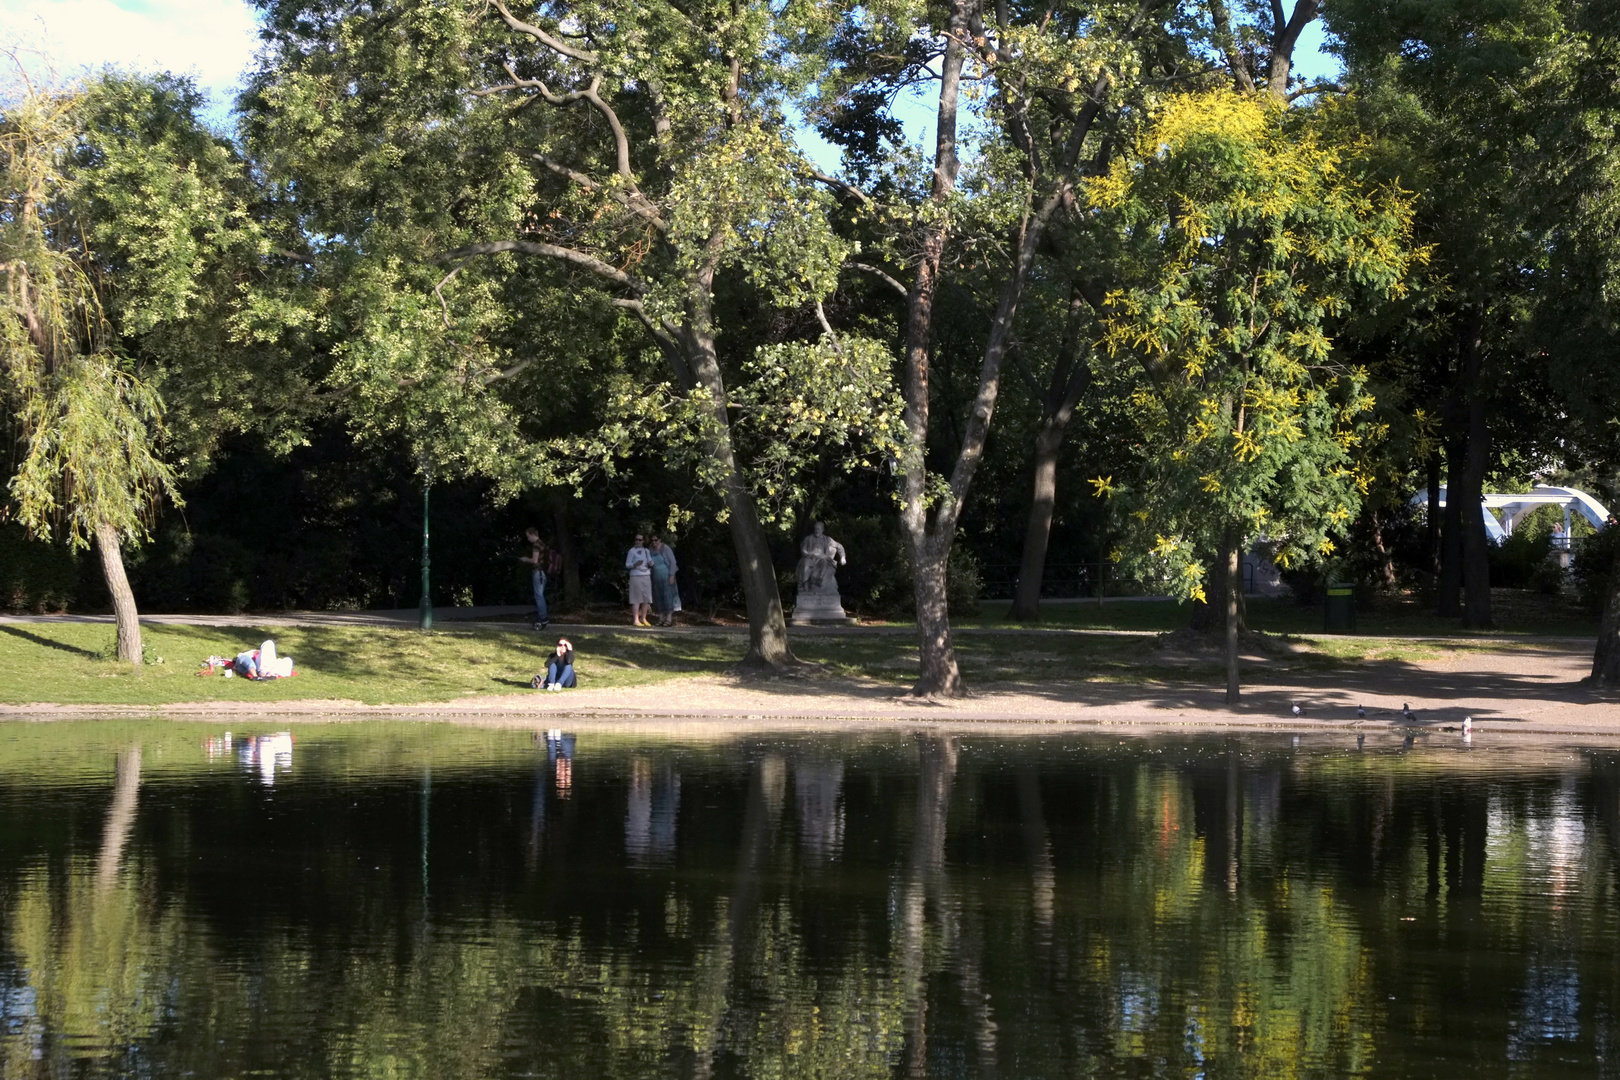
(663, 582)
(638, 561)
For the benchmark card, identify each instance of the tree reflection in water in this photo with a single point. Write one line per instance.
(936, 905)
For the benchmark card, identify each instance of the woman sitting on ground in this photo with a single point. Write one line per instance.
(560, 667)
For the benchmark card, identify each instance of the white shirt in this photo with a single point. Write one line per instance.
(639, 562)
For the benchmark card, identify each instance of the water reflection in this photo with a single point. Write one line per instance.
(436, 902)
(262, 754)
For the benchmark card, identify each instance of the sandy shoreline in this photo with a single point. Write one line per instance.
(1523, 692)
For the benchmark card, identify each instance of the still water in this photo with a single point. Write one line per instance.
(420, 900)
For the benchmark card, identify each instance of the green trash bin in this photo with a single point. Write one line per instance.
(1341, 608)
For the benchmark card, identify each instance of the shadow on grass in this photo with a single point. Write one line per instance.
(61, 646)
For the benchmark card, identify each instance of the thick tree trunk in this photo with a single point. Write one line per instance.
(123, 599)
(929, 548)
(1232, 600)
(1606, 657)
(1070, 377)
(1476, 568)
(1038, 532)
(767, 625)
(940, 675)
(1448, 596)
(1386, 562)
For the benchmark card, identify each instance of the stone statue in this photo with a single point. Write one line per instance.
(819, 558)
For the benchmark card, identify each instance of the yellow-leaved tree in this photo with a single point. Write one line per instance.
(1245, 235)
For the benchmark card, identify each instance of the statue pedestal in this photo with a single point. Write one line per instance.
(820, 609)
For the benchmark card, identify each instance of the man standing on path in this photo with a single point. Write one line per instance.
(538, 557)
(639, 562)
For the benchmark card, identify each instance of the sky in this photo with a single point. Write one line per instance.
(214, 41)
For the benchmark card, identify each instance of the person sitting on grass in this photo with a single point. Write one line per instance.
(559, 668)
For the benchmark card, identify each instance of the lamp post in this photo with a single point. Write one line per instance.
(425, 619)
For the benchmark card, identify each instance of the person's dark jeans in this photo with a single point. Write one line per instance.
(565, 677)
(540, 612)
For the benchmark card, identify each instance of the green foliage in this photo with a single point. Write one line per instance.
(1245, 235)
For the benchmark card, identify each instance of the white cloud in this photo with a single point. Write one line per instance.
(211, 40)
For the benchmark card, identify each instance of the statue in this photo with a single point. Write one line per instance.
(818, 601)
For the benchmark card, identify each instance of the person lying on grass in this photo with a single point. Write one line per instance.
(559, 669)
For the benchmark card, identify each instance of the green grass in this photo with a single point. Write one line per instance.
(1517, 612)
(70, 663)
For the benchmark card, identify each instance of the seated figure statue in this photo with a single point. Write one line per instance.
(818, 600)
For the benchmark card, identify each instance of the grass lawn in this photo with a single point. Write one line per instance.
(1518, 613)
(70, 663)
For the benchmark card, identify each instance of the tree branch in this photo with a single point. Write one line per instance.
(550, 251)
(1323, 87)
(629, 198)
(667, 337)
(838, 185)
(550, 41)
(826, 328)
(882, 275)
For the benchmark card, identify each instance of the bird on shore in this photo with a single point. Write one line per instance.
(1406, 711)
(1296, 709)
(1468, 725)
(1361, 712)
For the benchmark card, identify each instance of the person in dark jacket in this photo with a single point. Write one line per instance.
(559, 668)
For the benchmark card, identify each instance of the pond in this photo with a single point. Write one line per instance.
(429, 900)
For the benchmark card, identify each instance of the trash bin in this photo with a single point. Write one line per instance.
(1341, 608)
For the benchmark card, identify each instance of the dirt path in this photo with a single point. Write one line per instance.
(1531, 691)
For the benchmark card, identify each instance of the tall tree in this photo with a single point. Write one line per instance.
(1463, 79)
(1248, 235)
(1054, 77)
(1258, 52)
(615, 163)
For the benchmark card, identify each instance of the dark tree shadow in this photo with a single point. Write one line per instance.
(61, 646)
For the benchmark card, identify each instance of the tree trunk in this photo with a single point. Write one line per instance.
(1038, 533)
(767, 625)
(1448, 597)
(940, 676)
(1232, 599)
(930, 548)
(1386, 562)
(123, 599)
(1070, 378)
(1431, 522)
(573, 593)
(1476, 568)
(1606, 657)
(1209, 616)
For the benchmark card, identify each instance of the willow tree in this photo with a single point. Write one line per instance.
(119, 207)
(1248, 236)
(89, 426)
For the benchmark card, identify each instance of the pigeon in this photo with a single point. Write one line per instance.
(1361, 712)
(1406, 711)
(1296, 709)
